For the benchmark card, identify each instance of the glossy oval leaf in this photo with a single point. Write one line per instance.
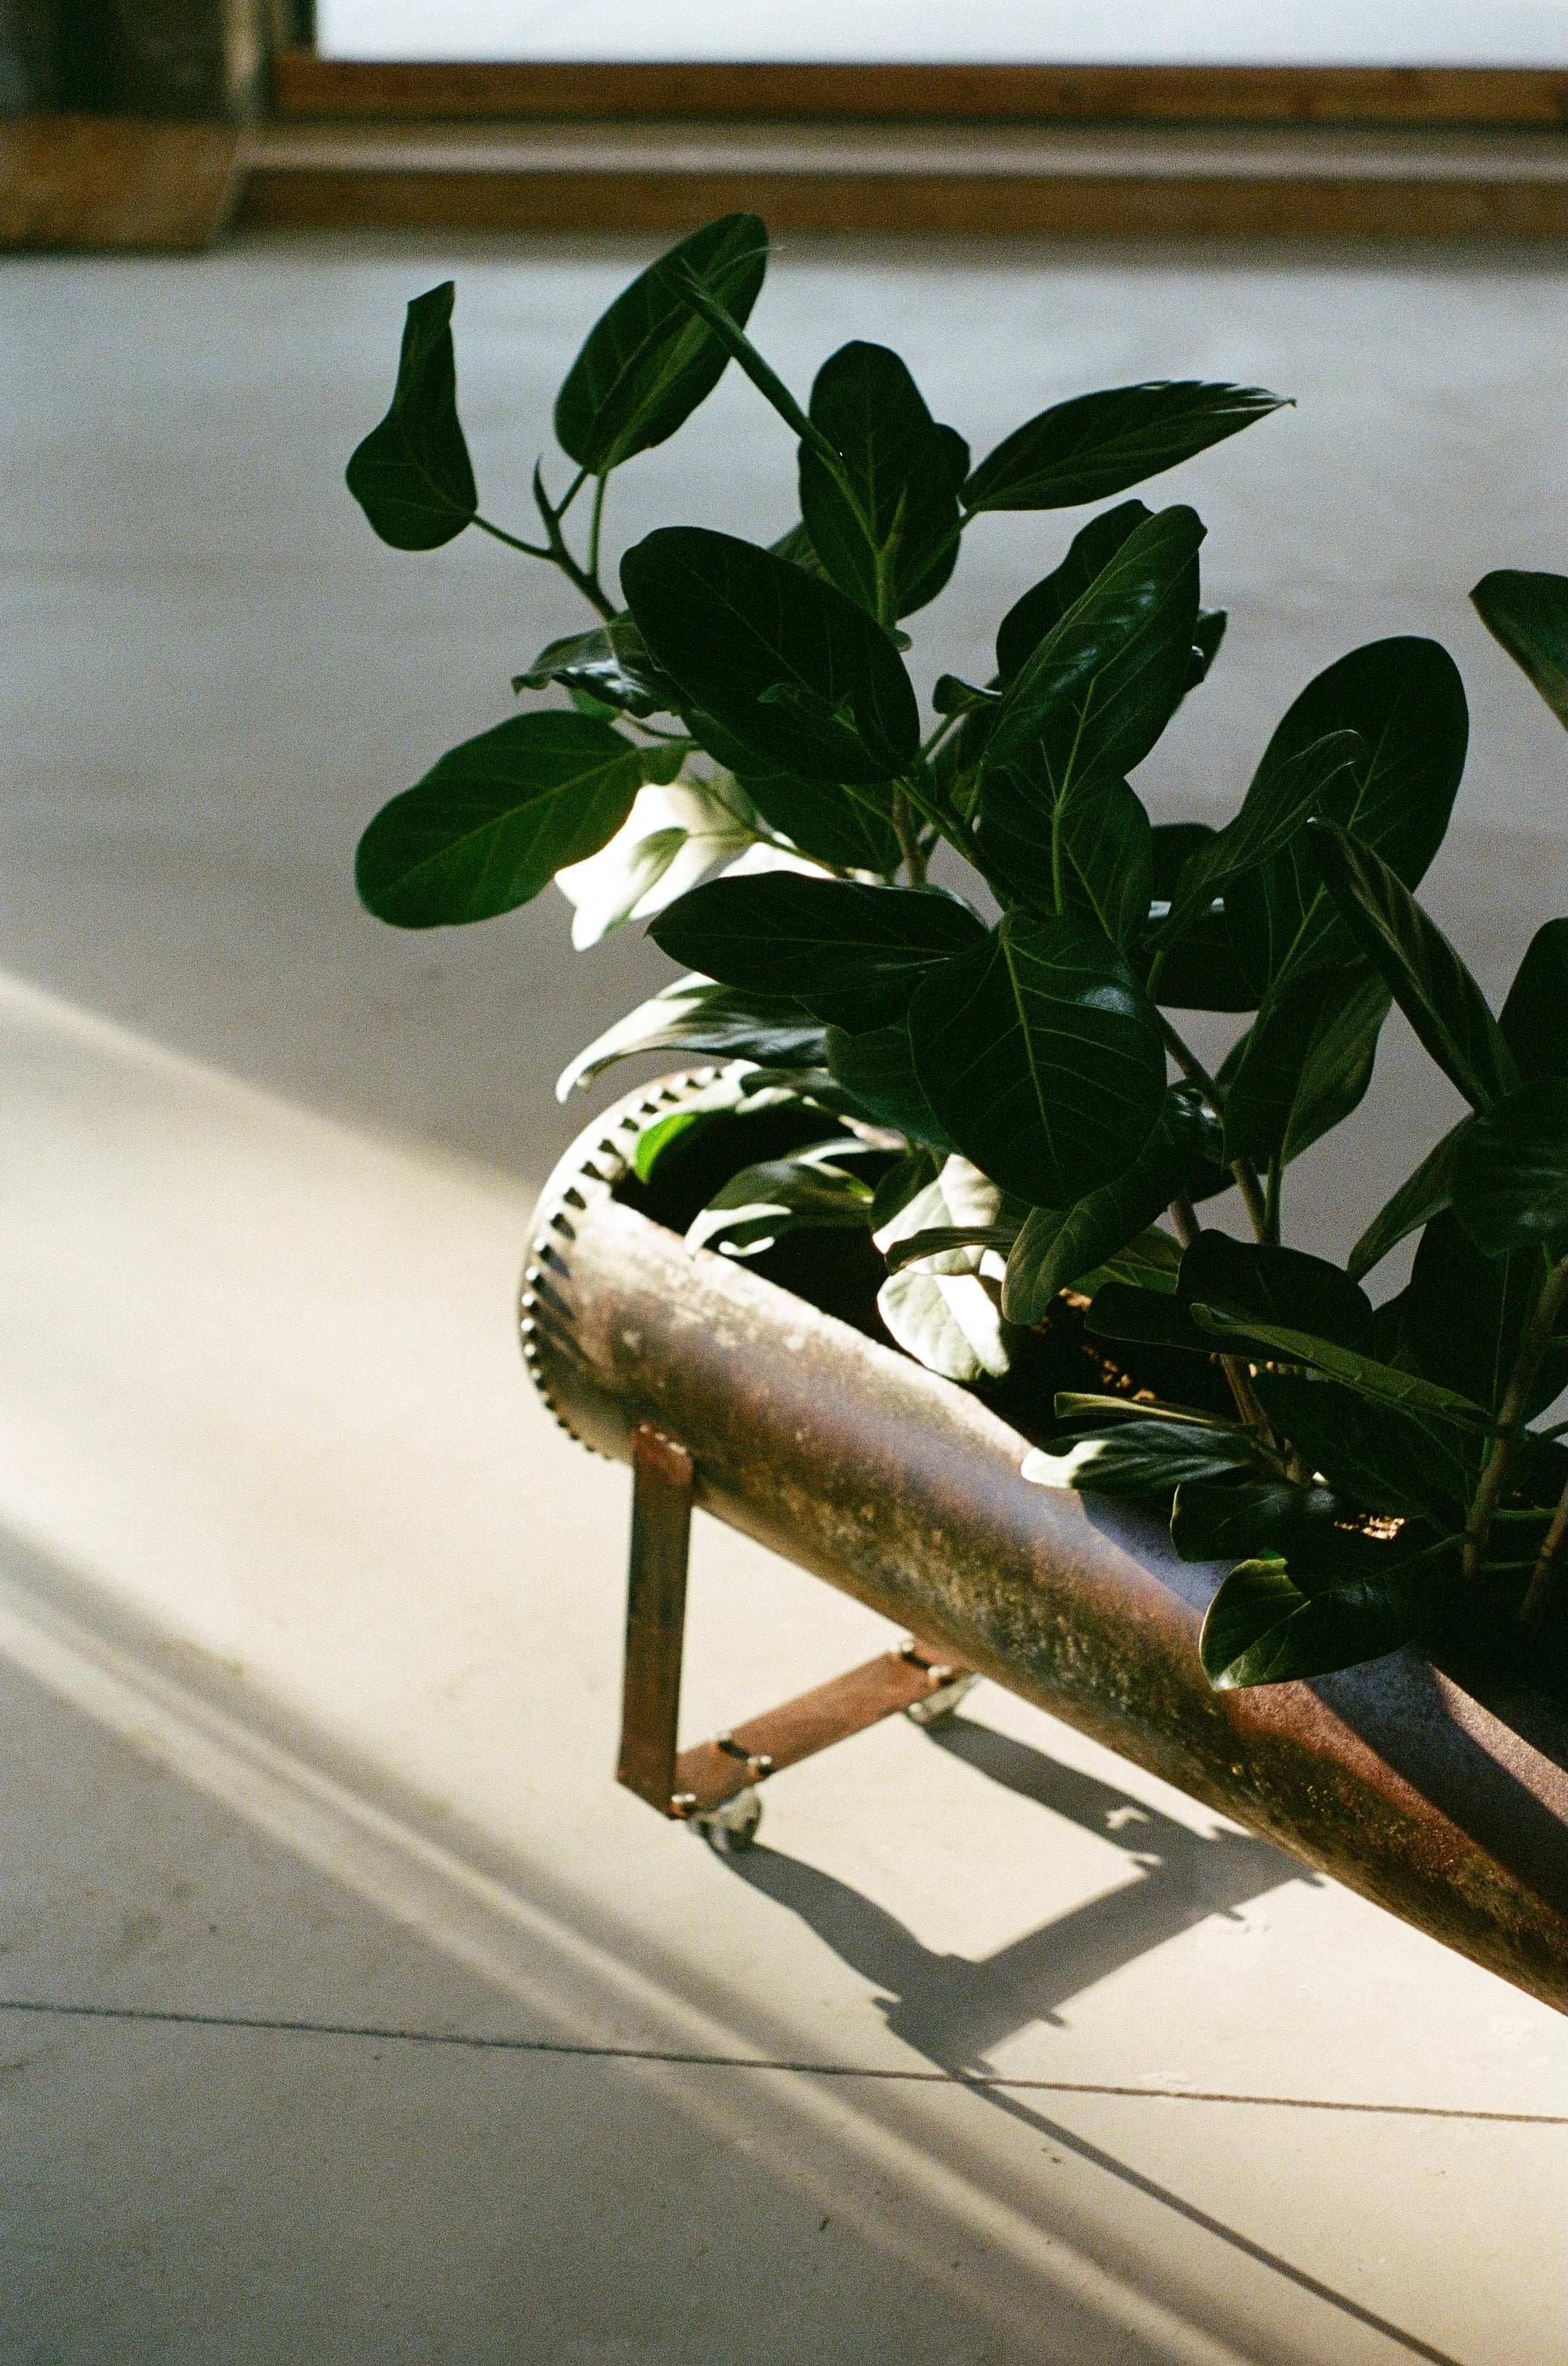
(697, 1018)
(1057, 1248)
(1041, 1056)
(1422, 1196)
(1280, 1285)
(1510, 1171)
(611, 664)
(1381, 1460)
(890, 541)
(1383, 1384)
(1404, 699)
(1097, 693)
(1096, 853)
(877, 1066)
(1262, 1629)
(852, 953)
(1305, 1065)
(847, 828)
(411, 475)
(1289, 787)
(1215, 1520)
(1534, 1018)
(1527, 614)
(495, 819)
(1097, 444)
(1427, 977)
(1030, 619)
(650, 360)
(1146, 1457)
(802, 678)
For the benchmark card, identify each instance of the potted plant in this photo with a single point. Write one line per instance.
(945, 967)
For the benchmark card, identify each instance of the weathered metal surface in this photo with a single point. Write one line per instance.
(715, 1771)
(655, 1614)
(1447, 1805)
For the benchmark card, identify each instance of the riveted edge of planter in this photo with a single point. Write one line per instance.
(1444, 1805)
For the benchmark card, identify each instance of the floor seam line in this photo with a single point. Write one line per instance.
(982, 2080)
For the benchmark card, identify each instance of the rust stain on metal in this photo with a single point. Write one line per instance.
(1444, 1802)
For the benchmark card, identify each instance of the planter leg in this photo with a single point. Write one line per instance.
(656, 1615)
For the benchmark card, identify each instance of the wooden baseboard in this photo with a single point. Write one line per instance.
(1501, 96)
(1093, 206)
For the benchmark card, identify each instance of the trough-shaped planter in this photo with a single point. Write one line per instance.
(1441, 1796)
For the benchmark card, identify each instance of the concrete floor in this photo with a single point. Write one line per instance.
(353, 2014)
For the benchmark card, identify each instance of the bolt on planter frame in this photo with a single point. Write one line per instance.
(1442, 1797)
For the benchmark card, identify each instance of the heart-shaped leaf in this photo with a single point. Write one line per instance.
(1529, 615)
(890, 540)
(1097, 444)
(1428, 981)
(1510, 1171)
(1404, 699)
(411, 475)
(852, 953)
(496, 818)
(650, 359)
(1056, 1248)
(802, 678)
(1041, 1056)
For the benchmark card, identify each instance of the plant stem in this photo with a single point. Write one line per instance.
(909, 842)
(1242, 1169)
(1184, 1217)
(530, 549)
(1511, 1416)
(587, 582)
(595, 524)
(1272, 1202)
(763, 376)
(1546, 1577)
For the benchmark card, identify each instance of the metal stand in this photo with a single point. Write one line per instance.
(714, 1784)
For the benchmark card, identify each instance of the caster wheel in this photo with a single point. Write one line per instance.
(937, 1708)
(732, 1828)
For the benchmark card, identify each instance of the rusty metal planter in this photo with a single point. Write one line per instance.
(1442, 1798)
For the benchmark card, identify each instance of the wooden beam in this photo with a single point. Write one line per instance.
(1523, 96)
(87, 182)
(995, 205)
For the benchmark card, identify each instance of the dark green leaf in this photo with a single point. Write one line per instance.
(949, 1323)
(1278, 1285)
(1510, 1172)
(878, 1067)
(1101, 844)
(1429, 982)
(650, 360)
(610, 663)
(1041, 1056)
(1304, 1064)
(1384, 1384)
(696, 1017)
(496, 818)
(1143, 1458)
(894, 544)
(1042, 607)
(801, 675)
(1146, 1316)
(1097, 444)
(844, 826)
(1056, 1248)
(1288, 786)
(852, 953)
(951, 695)
(1207, 634)
(1215, 1520)
(1406, 699)
(1465, 1316)
(814, 1191)
(1529, 615)
(1261, 1629)
(1150, 1262)
(944, 1241)
(1382, 1460)
(1534, 1018)
(1200, 972)
(1419, 1198)
(1091, 700)
(412, 476)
